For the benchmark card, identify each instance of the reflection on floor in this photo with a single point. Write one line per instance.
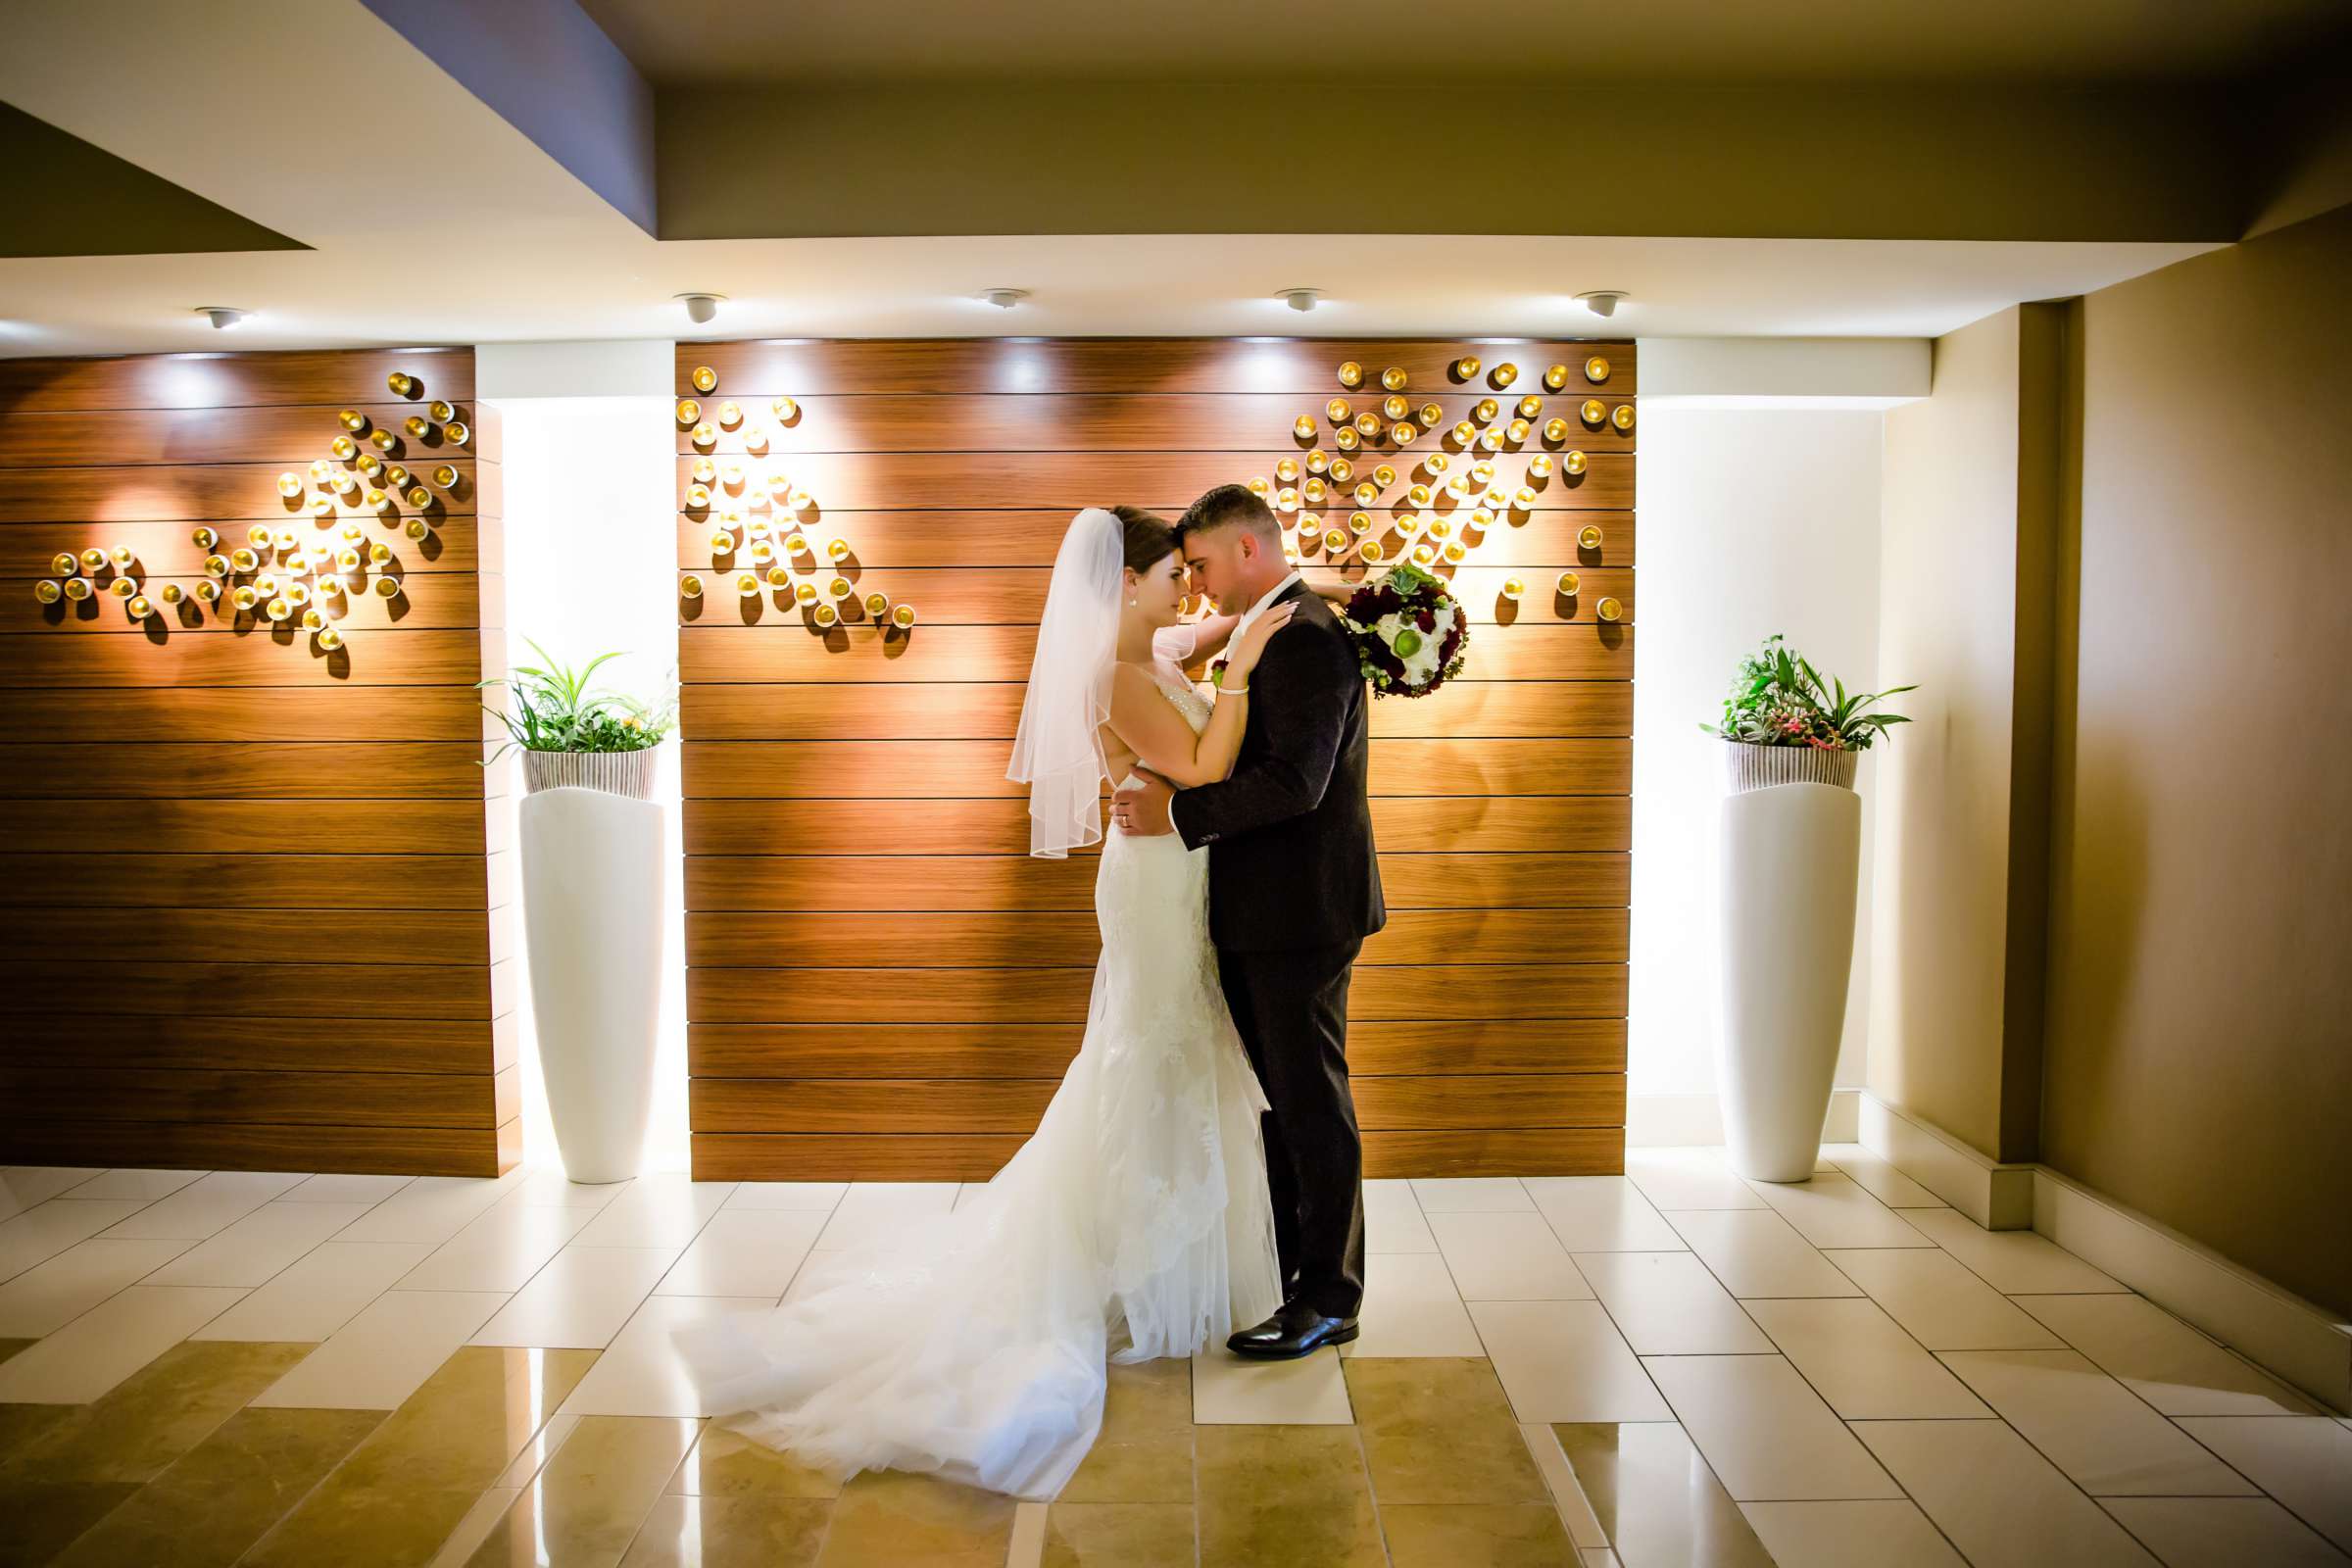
(1670, 1367)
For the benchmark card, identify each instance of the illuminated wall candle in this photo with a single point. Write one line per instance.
(243, 560)
(1404, 432)
(1490, 440)
(1352, 374)
(876, 607)
(1394, 408)
(1454, 551)
(1609, 610)
(827, 616)
(47, 592)
(1408, 525)
(1513, 589)
(78, 587)
(1345, 438)
(330, 639)
(446, 476)
(352, 419)
(754, 439)
(1439, 527)
(1555, 377)
(242, 597)
(1437, 463)
(1425, 554)
(1524, 499)
(347, 560)
(378, 553)
(64, 562)
(1286, 499)
(730, 415)
(1518, 430)
(1367, 425)
(401, 383)
(1342, 470)
(1366, 493)
(1317, 460)
(1589, 537)
(208, 591)
(1466, 369)
(748, 584)
(289, 485)
(837, 549)
(705, 378)
(704, 434)
(1314, 489)
(1572, 463)
(387, 587)
(1359, 524)
(417, 424)
(344, 448)
(377, 500)
(1260, 486)
(140, 606)
(840, 588)
(1370, 551)
(441, 410)
(1337, 412)
(689, 412)
(1335, 542)
(383, 438)
(778, 578)
(902, 617)
(1568, 584)
(785, 410)
(1597, 370)
(690, 586)
(1622, 416)
(1394, 378)
(1505, 374)
(368, 464)
(1303, 428)
(1539, 465)
(1286, 469)
(420, 497)
(311, 621)
(1418, 495)
(1592, 411)
(805, 594)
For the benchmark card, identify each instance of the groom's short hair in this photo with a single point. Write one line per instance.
(1231, 504)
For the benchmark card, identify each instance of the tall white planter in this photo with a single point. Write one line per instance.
(1791, 851)
(592, 912)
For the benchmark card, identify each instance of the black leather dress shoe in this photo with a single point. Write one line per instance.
(1296, 1330)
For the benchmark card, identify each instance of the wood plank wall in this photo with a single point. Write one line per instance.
(245, 885)
(881, 985)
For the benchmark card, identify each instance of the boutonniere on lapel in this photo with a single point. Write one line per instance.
(1216, 673)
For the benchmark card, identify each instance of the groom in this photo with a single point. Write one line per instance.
(1293, 889)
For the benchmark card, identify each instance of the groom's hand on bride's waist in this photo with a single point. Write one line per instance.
(1143, 809)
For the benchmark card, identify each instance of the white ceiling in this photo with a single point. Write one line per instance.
(433, 221)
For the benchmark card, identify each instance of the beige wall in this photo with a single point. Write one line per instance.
(1968, 525)
(2200, 1010)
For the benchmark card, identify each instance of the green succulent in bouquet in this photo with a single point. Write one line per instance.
(1779, 699)
(553, 709)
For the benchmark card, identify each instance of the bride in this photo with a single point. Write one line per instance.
(1135, 1223)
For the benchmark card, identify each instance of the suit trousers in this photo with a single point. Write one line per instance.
(1292, 1010)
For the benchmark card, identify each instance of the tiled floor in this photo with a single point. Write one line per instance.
(1670, 1367)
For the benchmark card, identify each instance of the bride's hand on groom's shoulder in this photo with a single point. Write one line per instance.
(1142, 812)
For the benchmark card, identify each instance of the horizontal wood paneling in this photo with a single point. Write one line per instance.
(1463, 824)
(279, 657)
(1161, 481)
(1043, 1050)
(255, 1146)
(255, 828)
(819, 882)
(1121, 421)
(317, 1098)
(1016, 596)
(279, 714)
(943, 1156)
(330, 378)
(443, 602)
(166, 549)
(1004, 537)
(1460, 710)
(928, 939)
(882, 984)
(188, 493)
(753, 373)
(252, 911)
(263, 1043)
(1013, 1104)
(965, 769)
(249, 770)
(783, 649)
(1381, 992)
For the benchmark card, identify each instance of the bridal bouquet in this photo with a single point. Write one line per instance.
(1409, 632)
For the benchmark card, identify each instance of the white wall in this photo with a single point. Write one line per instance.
(591, 560)
(1753, 521)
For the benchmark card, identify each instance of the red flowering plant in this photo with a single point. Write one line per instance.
(1779, 699)
(1409, 632)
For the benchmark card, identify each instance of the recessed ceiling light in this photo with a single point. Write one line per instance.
(1603, 301)
(1005, 299)
(223, 317)
(1299, 299)
(701, 307)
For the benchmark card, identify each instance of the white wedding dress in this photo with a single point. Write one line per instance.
(1133, 1224)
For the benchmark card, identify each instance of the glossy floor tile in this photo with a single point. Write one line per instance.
(1471, 1195)
(820, 1197)
(1941, 1304)
(2105, 1437)
(2013, 1262)
(1656, 1499)
(640, 1373)
(1440, 1429)
(745, 1251)
(2303, 1461)
(1228, 1391)
(2223, 1533)
(1835, 1211)
(1861, 1362)
(1565, 1361)
(2001, 1504)
(48, 1296)
(109, 1341)
(2161, 1358)
(1687, 1178)
(869, 1208)
(43, 1230)
(581, 1298)
(255, 1248)
(1765, 1432)
(1411, 1308)
(1285, 1495)
(317, 1295)
(1100, 1535)
(207, 1205)
(1669, 1303)
(1849, 1535)
(1507, 1257)
(384, 1352)
(884, 1517)
(658, 1210)
(1393, 1221)
(1756, 1253)
(145, 1184)
(1601, 1214)
(498, 1249)
(1145, 1452)
(1883, 1181)
(587, 1504)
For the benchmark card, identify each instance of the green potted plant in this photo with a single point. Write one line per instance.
(1784, 722)
(571, 733)
(1790, 854)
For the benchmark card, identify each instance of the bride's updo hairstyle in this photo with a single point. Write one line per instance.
(1150, 538)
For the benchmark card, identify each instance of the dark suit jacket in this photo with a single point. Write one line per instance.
(1290, 863)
